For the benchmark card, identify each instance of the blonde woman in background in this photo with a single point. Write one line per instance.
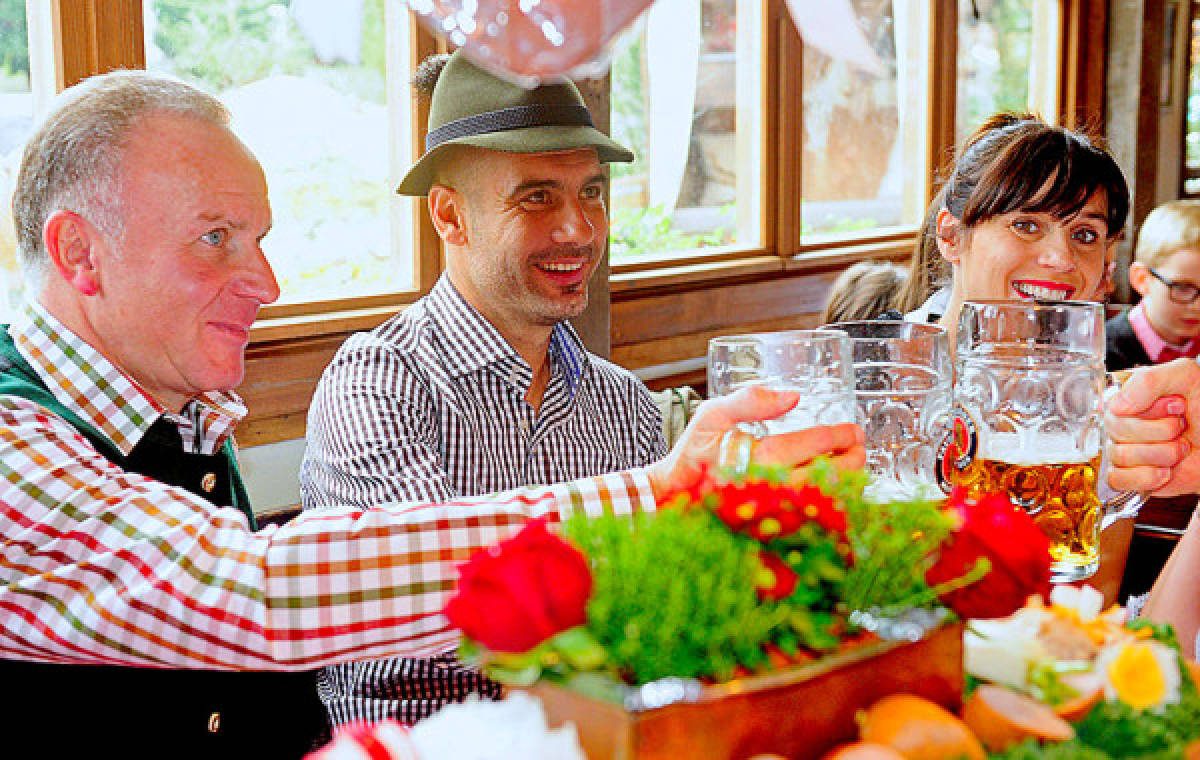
(864, 290)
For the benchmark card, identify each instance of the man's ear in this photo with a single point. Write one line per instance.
(70, 240)
(447, 212)
(1139, 278)
(949, 236)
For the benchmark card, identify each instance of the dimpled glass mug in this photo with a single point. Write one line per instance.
(1028, 420)
(902, 389)
(817, 363)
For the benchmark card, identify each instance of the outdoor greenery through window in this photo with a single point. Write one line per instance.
(685, 98)
(319, 92)
(1005, 60)
(16, 119)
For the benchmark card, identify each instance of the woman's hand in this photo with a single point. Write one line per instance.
(1153, 427)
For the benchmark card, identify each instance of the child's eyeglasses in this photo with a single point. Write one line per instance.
(1180, 292)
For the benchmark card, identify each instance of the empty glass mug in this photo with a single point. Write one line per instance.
(902, 387)
(1028, 419)
(817, 363)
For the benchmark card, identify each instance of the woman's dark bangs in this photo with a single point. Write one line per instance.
(1067, 188)
(1082, 170)
(1013, 182)
(1054, 178)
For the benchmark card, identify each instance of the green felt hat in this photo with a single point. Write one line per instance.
(472, 107)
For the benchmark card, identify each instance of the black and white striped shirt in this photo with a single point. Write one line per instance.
(430, 406)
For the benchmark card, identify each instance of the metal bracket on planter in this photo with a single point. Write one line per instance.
(663, 692)
(910, 625)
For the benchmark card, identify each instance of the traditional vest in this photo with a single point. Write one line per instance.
(68, 710)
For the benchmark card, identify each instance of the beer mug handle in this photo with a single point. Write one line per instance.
(737, 446)
(1115, 505)
(1119, 506)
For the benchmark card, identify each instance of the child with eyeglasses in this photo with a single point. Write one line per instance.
(1165, 324)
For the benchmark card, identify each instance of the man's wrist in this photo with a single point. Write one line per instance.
(659, 476)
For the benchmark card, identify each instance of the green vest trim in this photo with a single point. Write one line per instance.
(19, 379)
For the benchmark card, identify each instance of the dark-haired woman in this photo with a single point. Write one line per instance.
(1030, 210)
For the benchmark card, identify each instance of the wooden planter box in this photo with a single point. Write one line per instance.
(797, 712)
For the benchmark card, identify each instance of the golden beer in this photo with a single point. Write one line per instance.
(1061, 498)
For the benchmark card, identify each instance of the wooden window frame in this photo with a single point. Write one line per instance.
(782, 248)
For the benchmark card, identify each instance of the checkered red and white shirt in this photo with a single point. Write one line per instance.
(107, 567)
(430, 406)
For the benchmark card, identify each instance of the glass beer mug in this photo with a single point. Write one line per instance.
(1028, 420)
(817, 363)
(902, 388)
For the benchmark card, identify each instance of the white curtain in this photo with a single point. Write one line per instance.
(672, 60)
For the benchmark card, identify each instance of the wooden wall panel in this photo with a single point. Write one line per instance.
(721, 308)
(280, 379)
(691, 345)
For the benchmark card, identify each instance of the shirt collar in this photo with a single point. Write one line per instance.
(476, 344)
(1154, 343)
(933, 308)
(94, 388)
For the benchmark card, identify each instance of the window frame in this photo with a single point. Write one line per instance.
(90, 40)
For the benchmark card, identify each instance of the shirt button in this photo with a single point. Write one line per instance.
(524, 425)
(214, 723)
(208, 483)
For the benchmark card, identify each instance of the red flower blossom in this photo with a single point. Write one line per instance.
(1018, 550)
(766, 511)
(817, 506)
(775, 580)
(522, 591)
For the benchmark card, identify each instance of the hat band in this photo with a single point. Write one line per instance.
(504, 119)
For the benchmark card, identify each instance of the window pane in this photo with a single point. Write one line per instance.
(318, 90)
(863, 167)
(16, 119)
(1006, 60)
(1191, 182)
(685, 99)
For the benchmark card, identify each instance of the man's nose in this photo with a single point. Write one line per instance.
(573, 226)
(258, 278)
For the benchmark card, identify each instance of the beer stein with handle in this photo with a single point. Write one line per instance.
(1028, 420)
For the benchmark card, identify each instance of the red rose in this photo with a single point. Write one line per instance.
(515, 595)
(1018, 551)
(775, 579)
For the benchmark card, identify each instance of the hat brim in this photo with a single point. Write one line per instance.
(527, 140)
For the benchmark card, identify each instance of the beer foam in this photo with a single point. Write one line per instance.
(1033, 448)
